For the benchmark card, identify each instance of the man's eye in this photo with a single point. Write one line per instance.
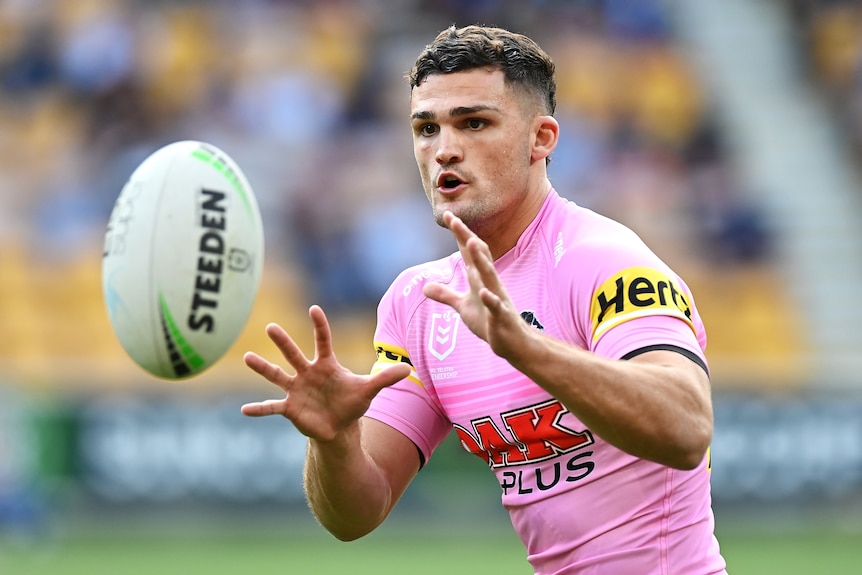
(428, 129)
(475, 124)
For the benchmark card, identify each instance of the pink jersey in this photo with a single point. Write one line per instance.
(579, 504)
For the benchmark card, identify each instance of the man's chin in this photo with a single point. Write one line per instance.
(439, 210)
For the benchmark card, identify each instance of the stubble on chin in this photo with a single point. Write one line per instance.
(437, 213)
(471, 217)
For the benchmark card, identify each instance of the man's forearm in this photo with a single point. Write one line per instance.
(346, 490)
(657, 411)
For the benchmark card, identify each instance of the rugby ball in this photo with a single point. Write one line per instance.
(182, 259)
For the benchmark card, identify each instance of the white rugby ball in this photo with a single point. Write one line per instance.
(182, 260)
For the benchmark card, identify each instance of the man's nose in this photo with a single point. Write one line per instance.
(449, 147)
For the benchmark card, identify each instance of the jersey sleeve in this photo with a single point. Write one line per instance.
(625, 300)
(409, 405)
(651, 333)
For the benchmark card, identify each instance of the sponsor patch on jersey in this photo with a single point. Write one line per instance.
(637, 292)
(388, 354)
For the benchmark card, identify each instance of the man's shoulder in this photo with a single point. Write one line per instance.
(408, 284)
(583, 236)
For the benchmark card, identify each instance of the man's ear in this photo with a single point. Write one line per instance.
(546, 134)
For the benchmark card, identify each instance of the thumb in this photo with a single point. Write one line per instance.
(441, 293)
(386, 377)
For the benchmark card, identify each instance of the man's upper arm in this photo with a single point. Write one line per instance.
(694, 371)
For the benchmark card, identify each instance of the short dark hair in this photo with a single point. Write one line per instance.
(522, 61)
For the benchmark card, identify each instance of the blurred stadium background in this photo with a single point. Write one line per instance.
(728, 134)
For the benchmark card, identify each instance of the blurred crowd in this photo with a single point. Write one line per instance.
(309, 97)
(830, 50)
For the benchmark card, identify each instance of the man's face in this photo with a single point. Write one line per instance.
(472, 143)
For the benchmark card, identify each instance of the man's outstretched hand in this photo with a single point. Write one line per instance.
(322, 397)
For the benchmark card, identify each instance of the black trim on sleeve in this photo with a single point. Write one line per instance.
(667, 347)
(421, 457)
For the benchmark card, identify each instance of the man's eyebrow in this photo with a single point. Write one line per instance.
(467, 110)
(455, 112)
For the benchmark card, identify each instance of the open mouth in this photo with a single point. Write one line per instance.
(448, 182)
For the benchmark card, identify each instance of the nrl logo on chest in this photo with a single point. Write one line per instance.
(444, 333)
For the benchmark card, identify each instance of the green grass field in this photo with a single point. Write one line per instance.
(394, 551)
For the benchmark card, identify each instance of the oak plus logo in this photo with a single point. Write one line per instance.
(444, 333)
(536, 451)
